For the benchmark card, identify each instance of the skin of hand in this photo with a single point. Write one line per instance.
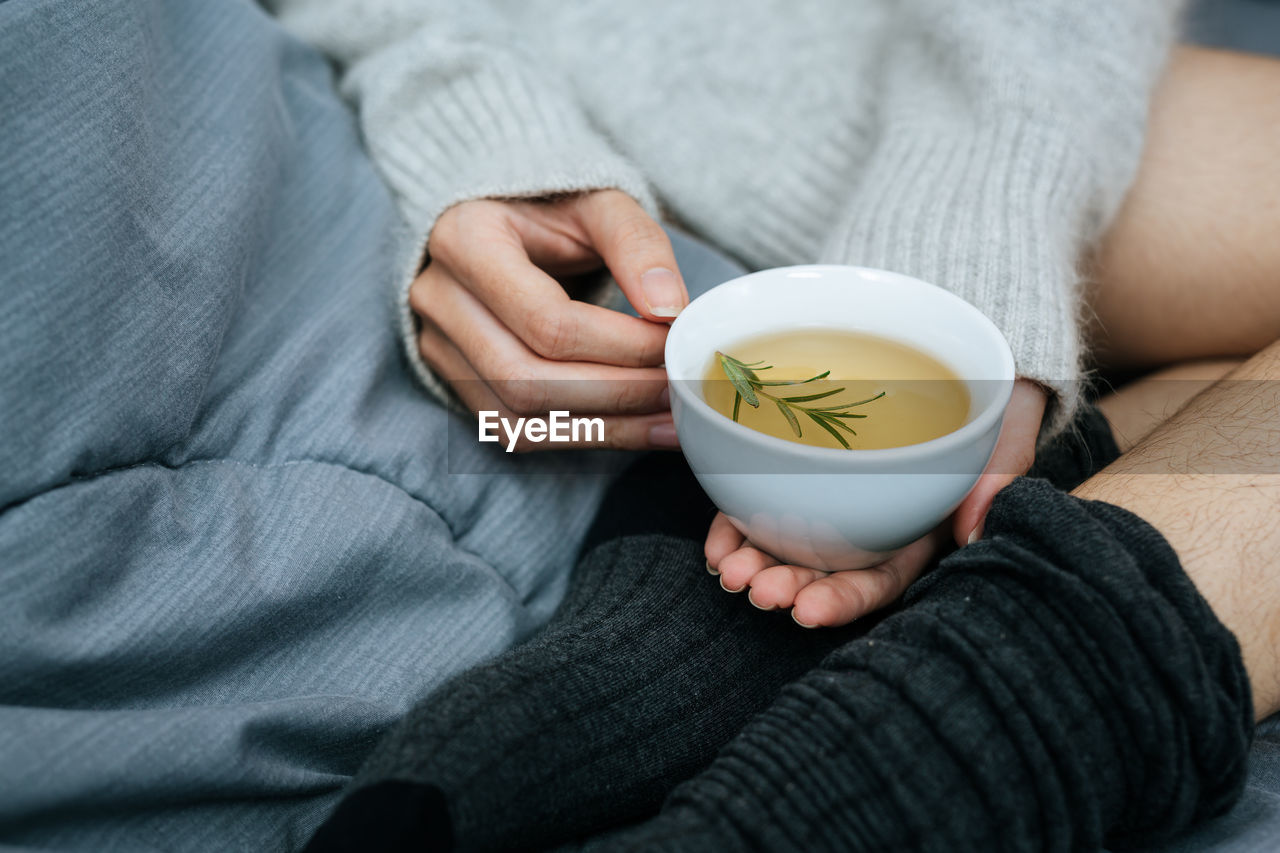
(498, 325)
(828, 599)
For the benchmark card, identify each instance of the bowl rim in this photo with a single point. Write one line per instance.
(973, 429)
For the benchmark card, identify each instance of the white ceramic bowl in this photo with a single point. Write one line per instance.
(822, 507)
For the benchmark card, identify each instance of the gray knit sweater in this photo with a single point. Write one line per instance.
(977, 144)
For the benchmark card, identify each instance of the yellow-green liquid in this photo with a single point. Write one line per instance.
(923, 399)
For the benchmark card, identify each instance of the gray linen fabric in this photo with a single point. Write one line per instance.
(231, 548)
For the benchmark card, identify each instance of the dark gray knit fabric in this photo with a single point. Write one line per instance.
(1057, 684)
(1084, 448)
(647, 669)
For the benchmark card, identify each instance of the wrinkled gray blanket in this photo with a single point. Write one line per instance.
(231, 548)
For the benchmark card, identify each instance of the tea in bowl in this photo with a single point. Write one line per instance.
(836, 414)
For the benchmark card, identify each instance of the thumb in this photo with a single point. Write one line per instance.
(970, 517)
(1014, 454)
(637, 252)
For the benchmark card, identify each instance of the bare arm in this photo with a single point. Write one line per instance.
(1209, 480)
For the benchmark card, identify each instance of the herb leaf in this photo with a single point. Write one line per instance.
(809, 397)
(741, 383)
(829, 428)
(823, 375)
(851, 405)
(730, 358)
(790, 416)
(750, 387)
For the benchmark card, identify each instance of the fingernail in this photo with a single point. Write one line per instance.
(974, 535)
(663, 435)
(711, 569)
(757, 606)
(664, 399)
(726, 589)
(796, 619)
(662, 292)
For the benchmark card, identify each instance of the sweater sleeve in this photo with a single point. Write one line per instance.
(1007, 134)
(454, 106)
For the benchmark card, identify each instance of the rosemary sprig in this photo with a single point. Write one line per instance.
(747, 385)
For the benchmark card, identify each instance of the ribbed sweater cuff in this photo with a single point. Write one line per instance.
(981, 214)
(476, 124)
